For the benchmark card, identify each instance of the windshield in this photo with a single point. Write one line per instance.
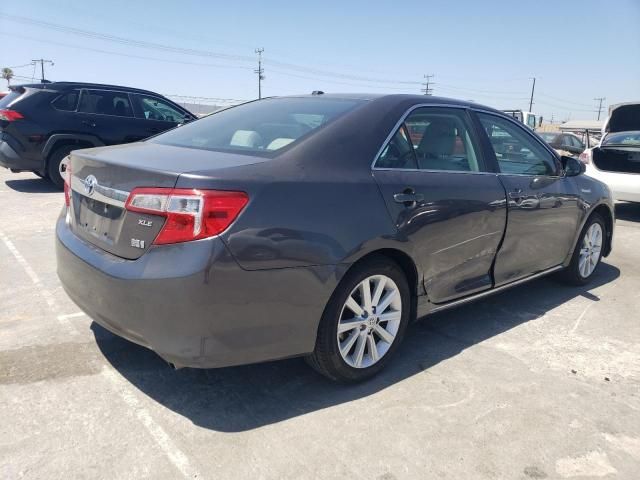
(260, 127)
(624, 138)
(548, 137)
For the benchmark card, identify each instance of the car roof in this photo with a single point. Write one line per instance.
(65, 85)
(399, 98)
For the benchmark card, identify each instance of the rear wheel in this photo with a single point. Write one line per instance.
(364, 322)
(588, 252)
(53, 164)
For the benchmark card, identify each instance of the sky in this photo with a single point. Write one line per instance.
(486, 51)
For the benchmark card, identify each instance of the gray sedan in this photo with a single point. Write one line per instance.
(319, 226)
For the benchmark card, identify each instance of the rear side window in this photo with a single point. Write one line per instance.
(105, 102)
(67, 102)
(517, 152)
(152, 108)
(260, 127)
(432, 139)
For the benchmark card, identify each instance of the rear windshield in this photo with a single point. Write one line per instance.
(261, 127)
(548, 137)
(625, 138)
(9, 98)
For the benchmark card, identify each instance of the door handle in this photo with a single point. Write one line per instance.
(515, 194)
(87, 122)
(408, 197)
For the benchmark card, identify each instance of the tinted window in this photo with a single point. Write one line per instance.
(152, 108)
(517, 152)
(105, 102)
(576, 142)
(549, 137)
(566, 141)
(258, 127)
(439, 140)
(67, 101)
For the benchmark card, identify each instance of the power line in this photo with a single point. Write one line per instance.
(600, 99)
(259, 71)
(427, 90)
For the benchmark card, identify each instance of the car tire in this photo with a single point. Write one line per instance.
(587, 253)
(53, 164)
(352, 347)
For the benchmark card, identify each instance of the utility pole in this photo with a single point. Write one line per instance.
(259, 71)
(427, 90)
(42, 61)
(600, 99)
(533, 88)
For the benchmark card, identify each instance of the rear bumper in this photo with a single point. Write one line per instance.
(9, 158)
(192, 304)
(623, 186)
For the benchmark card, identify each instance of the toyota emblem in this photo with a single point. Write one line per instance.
(90, 184)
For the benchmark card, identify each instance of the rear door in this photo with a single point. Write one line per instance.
(108, 115)
(157, 115)
(443, 200)
(543, 206)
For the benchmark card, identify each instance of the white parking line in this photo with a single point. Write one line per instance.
(71, 315)
(48, 296)
(170, 449)
(161, 438)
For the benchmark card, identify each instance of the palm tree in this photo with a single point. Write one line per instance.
(7, 74)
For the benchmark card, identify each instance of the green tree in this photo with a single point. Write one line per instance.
(7, 74)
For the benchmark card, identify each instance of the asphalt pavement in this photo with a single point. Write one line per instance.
(542, 381)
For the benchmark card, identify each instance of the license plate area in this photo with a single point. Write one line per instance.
(98, 219)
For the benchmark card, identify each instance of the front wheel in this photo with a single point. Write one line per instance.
(363, 323)
(588, 252)
(53, 165)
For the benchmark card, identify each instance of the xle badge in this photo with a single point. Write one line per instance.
(144, 223)
(137, 243)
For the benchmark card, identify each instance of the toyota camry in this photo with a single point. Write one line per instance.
(319, 226)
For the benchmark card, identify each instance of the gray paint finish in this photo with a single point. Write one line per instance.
(257, 291)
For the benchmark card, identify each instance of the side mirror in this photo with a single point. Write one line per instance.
(572, 166)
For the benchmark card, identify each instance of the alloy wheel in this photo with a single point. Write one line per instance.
(590, 250)
(369, 321)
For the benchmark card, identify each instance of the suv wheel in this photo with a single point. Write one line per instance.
(53, 164)
(364, 322)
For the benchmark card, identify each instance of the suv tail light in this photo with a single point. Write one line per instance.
(10, 115)
(191, 214)
(585, 157)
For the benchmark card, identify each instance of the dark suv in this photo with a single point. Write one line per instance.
(41, 123)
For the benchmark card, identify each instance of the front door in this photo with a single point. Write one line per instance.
(443, 200)
(543, 208)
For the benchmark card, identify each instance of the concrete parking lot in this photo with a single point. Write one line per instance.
(540, 382)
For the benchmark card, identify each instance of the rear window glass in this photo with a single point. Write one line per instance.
(265, 126)
(625, 138)
(9, 98)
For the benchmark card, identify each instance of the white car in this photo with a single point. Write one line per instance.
(616, 160)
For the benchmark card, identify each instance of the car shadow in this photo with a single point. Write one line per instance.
(32, 185)
(628, 211)
(243, 398)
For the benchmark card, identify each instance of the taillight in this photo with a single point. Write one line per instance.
(191, 214)
(10, 115)
(65, 172)
(585, 157)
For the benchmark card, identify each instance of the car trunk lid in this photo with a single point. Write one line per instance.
(102, 178)
(623, 117)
